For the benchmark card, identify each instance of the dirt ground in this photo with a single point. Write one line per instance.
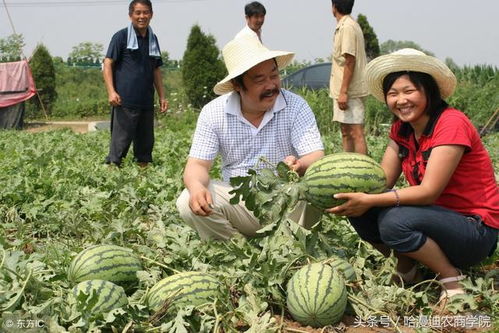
(77, 126)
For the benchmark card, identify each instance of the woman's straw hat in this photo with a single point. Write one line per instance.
(243, 53)
(409, 60)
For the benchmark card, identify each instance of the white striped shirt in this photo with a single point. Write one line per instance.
(289, 128)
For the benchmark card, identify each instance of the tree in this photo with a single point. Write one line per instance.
(370, 38)
(202, 67)
(391, 46)
(11, 48)
(42, 67)
(87, 52)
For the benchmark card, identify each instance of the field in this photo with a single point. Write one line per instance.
(58, 197)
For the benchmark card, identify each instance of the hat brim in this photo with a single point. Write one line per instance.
(380, 67)
(283, 59)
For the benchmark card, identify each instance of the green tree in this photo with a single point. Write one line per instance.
(391, 45)
(370, 38)
(11, 48)
(87, 50)
(42, 67)
(202, 67)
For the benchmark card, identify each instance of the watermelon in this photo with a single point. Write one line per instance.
(341, 173)
(109, 295)
(105, 262)
(316, 295)
(181, 289)
(343, 267)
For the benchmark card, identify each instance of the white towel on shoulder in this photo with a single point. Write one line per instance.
(133, 44)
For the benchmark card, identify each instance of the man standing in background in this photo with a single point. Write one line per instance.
(131, 72)
(255, 17)
(347, 85)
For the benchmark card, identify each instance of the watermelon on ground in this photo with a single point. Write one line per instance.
(181, 289)
(105, 262)
(104, 296)
(342, 266)
(316, 295)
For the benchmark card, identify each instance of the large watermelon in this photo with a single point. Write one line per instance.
(341, 173)
(316, 295)
(109, 295)
(187, 288)
(105, 262)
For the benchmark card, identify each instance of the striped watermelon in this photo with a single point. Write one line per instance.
(342, 173)
(105, 262)
(187, 288)
(109, 295)
(342, 266)
(316, 295)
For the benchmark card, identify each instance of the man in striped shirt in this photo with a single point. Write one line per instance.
(252, 118)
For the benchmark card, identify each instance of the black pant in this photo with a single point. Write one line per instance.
(465, 240)
(131, 125)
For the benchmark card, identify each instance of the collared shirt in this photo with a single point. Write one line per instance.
(348, 39)
(472, 188)
(247, 31)
(133, 72)
(289, 128)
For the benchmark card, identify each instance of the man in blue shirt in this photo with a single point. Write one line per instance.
(131, 72)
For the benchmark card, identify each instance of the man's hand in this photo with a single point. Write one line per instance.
(114, 99)
(343, 101)
(200, 202)
(163, 105)
(293, 163)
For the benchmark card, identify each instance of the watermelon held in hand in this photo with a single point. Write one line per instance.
(182, 289)
(316, 295)
(105, 262)
(103, 296)
(341, 173)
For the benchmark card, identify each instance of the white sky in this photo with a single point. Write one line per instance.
(466, 31)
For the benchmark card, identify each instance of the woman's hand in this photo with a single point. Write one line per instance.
(356, 204)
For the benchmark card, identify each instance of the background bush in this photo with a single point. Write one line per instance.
(42, 68)
(202, 67)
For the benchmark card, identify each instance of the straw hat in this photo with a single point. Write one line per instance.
(410, 60)
(243, 53)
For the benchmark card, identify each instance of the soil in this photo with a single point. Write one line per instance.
(76, 126)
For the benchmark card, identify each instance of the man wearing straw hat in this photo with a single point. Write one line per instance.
(252, 118)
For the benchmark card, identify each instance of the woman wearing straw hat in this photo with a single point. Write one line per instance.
(448, 218)
(252, 118)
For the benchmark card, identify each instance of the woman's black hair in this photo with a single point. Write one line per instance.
(435, 105)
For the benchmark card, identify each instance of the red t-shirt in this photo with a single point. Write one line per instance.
(472, 189)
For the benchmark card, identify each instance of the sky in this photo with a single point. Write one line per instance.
(468, 34)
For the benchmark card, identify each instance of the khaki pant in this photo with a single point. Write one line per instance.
(228, 220)
(354, 114)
